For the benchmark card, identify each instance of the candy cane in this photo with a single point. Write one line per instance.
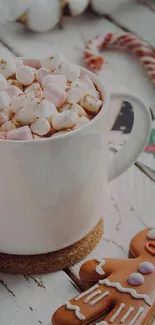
(126, 42)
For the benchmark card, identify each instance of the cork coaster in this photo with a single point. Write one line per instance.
(50, 262)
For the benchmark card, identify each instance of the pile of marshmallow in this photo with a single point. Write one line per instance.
(47, 102)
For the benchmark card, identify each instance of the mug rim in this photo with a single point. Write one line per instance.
(104, 95)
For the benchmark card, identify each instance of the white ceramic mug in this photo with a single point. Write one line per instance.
(52, 190)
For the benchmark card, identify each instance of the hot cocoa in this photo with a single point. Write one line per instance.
(48, 102)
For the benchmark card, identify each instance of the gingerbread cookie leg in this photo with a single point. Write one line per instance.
(124, 313)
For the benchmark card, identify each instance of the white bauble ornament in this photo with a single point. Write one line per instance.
(77, 7)
(105, 6)
(43, 15)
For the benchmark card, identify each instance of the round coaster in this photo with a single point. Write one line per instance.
(50, 262)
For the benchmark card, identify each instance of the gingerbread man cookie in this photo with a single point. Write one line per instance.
(123, 290)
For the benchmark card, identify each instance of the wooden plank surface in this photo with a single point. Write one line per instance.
(5, 52)
(32, 300)
(130, 208)
(137, 18)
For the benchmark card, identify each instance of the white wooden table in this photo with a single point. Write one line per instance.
(131, 198)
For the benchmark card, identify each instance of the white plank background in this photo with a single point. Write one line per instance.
(136, 18)
(25, 302)
(130, 208)
(130, 199)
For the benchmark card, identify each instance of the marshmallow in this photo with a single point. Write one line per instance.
(4, 117)
(25, 116)
(45, 109)
(35, 89)
(13, 82)
(82, 121)
(37, 137)
(7, 68)
(91, 104)
(3, 82)
(42, 73)
(41, 126)
(69, 70)
(17, 102)
(74, 95)
(9, 126)
(93, 92)
(23, 133)
(13, 91)
(52, 62)
(55, 94)
(9, 112)
(79, 88)
(27, 100)
(65, 120)
(25, 75)
(74, 108)
(2, 135)
(60, 80)
(83, 82)
(4, 99)
(60, 133)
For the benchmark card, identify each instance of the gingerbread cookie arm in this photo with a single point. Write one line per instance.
(100, 268)
(84, 308)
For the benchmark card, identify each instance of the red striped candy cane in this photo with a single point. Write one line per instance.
(126, 42)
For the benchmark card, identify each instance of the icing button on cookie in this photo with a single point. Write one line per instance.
(151, 234)
(135, 279)
(146, 268)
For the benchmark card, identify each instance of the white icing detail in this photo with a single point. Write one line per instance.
(132, 292)
(102, 323)
(151, 234)
(130, 310)
(117, 313)
(85, 293)
(99, 298)
(77, 310)
(92, 296)
(136, 316)
(99, 267)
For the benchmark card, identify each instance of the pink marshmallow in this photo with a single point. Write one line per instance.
(55, 94)
(23, 133)
(60, 80)
(13, 91)
(2, 135)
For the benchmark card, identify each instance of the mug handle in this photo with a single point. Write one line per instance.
(139, 137)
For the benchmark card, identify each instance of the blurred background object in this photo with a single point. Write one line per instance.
(44, 15)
